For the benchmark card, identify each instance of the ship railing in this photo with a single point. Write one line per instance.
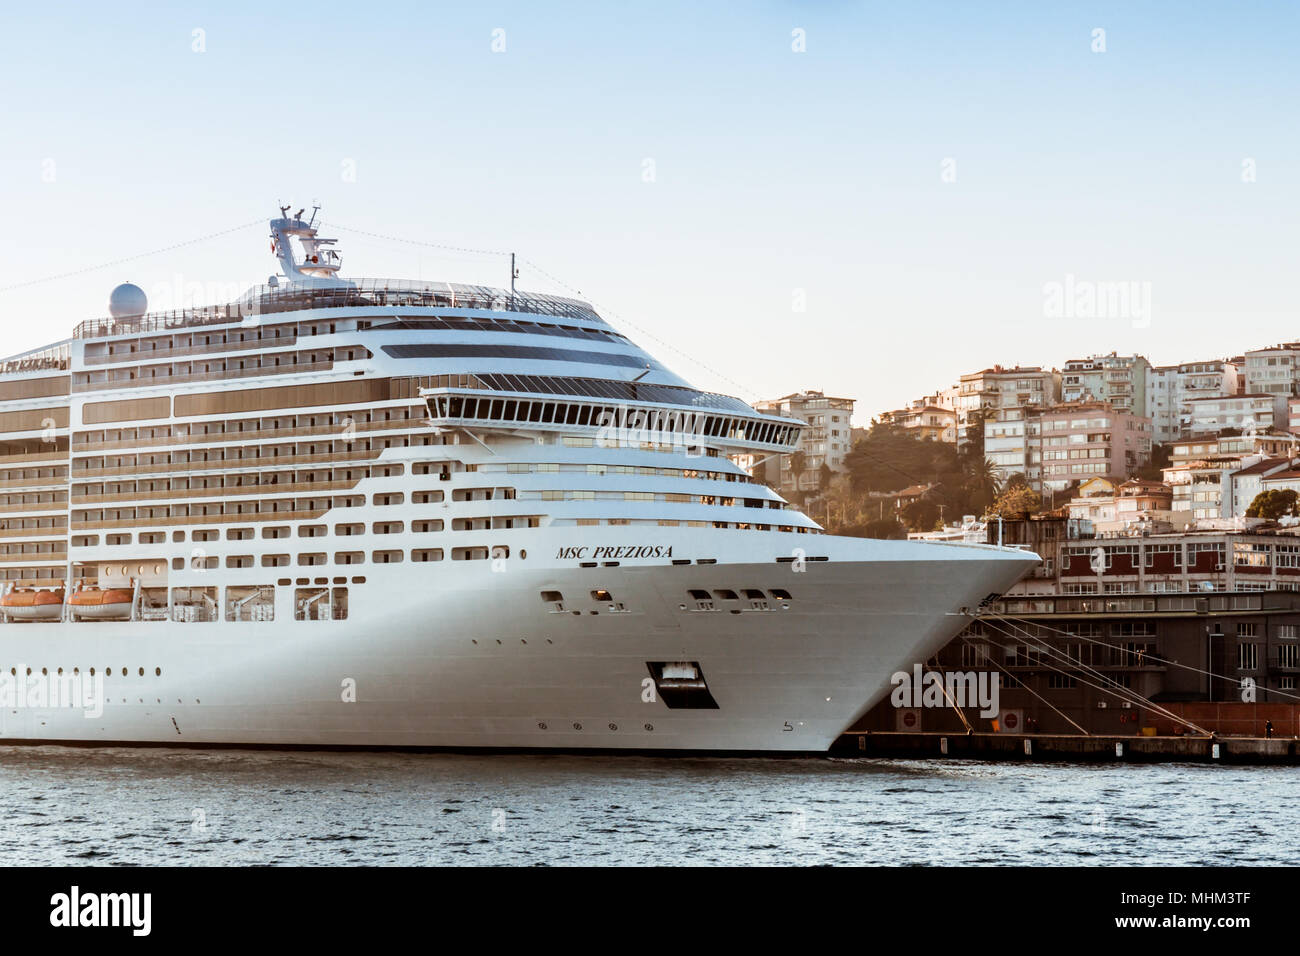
(355, 293)
(51, 357)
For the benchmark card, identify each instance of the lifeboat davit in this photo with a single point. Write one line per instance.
(29, 604)
(94, 604)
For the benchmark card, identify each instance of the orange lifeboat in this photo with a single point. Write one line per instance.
(29, 604)
(94, 604)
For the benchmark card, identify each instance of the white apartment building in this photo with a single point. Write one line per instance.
(1274, 371)
(826, 440)
(1171, 387)
(1248, 413)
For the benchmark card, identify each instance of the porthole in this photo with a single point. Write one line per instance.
(108, 571)
(541, 725)
(649, 726)
(125, 571)
(123, 671)
(522, 554)
(157, 672)
(141, 570)
(92, 672)
(45, 672)
(157, 569)
(613, 726)
(142, 672)
(577, 726)
(29, 672)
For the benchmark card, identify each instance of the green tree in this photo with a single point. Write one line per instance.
(1273, 504)
(982, 484)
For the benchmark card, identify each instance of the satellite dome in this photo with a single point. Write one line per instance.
(127, 300)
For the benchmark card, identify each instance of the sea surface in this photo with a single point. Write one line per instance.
(238, 808)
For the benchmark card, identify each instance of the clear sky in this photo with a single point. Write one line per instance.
(779, 177)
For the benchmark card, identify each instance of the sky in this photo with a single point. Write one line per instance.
(863, 198)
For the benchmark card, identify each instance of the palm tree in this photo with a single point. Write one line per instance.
(983, 480)
(798, 465)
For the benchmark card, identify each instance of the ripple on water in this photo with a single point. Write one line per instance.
(258, 808)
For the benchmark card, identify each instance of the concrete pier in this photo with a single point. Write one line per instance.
(1069, 747)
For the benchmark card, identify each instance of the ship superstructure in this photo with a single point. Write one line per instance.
(391, 513)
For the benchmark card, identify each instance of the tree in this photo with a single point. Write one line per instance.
(975, 419)
(1154, 469)
(1273, 504)
(921, 515)
(1018, 501)
(888, 528)
(982, 483)
(798, 464)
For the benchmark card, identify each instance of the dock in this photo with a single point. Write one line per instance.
(1069, 748)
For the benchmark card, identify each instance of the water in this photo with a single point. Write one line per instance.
(239, 808)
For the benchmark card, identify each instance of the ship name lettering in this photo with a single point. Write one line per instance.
(612, 552)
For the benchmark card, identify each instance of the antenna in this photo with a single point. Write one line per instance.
(514, 274)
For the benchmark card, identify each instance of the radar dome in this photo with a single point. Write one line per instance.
(127, 300)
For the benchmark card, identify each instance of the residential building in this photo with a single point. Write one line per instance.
(1120, 380)
(1293, 415)
(1086, 439)
(1247, 413)
(826, 439)
(998, 388)
(1011, 443)
(1171, 387)
(1134, 505)
(925, 419)
(1274, 371)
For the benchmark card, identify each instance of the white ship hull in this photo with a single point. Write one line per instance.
(471, 658)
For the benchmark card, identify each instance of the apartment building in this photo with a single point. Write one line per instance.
(1133, 505)
(1212, 414)
(1083, 440)
(1274, 371)
(826, 440)
(926, 422)
(1120, 380)
(1171, 387)
(994, 389)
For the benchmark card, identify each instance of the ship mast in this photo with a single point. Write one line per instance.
(319, 260)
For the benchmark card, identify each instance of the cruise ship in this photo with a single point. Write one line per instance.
(376, 513)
